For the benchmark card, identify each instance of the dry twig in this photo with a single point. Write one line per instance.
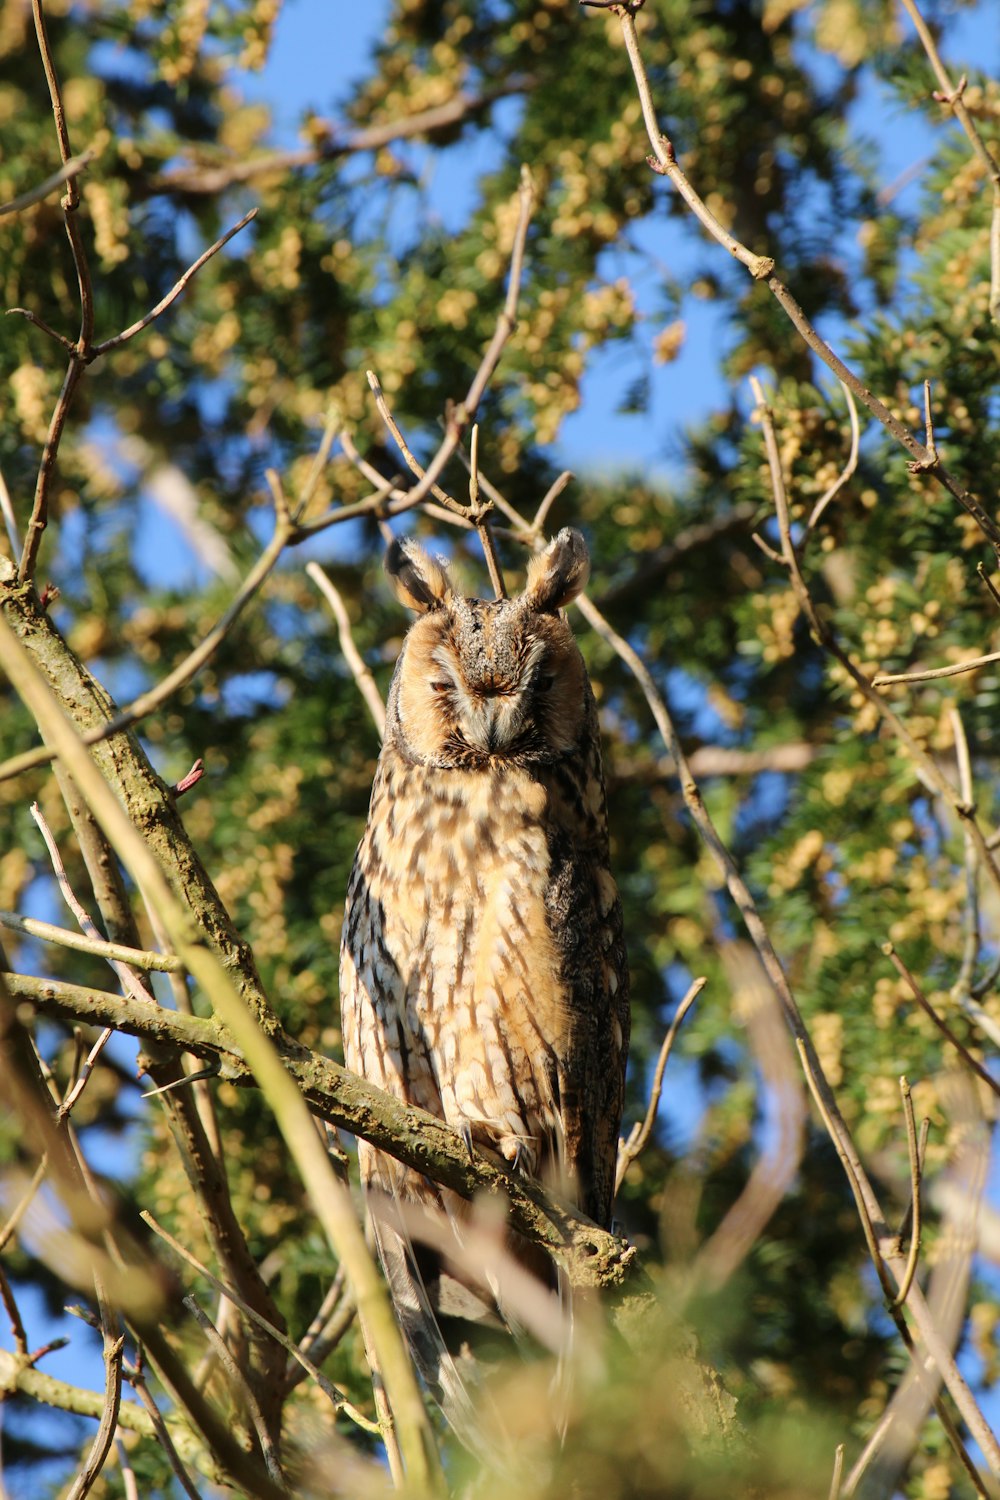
(71, 168)
(339, 1400)
(359, 671)
(761, 268)
(951, 96)
(925, 1005)
(643, 1129)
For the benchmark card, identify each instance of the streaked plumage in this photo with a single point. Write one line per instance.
(483, 969)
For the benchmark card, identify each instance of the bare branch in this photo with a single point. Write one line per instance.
(181, 674)
(761, 268)
(209, 178)
(927, 768)
(339, 1400)
(71, 168)
(461, 415)
(240, 1384)
(925, 1005)
(175, 291)
(883, 1247)
(359, 671)
(838, 1469)
(105, 1435)
(642, 1130)
(973, 929)
(885, 679)
(480, 516)
(915, 1215)
(9, 519)
(39, 518)
(847, 470)
(137, 1380)
(951, 96)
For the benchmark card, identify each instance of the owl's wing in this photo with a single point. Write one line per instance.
(379, 1046)
(592, 1072)
(585, 919)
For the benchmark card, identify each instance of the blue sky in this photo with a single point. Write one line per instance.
(319, 50)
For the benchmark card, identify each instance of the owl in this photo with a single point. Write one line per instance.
(483, 970)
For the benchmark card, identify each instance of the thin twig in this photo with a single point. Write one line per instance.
(13, 1312)
(761, 268)
(906, 1221)
(137, 1380)
(951, 96)
(182, 673)
(460, 415)
(480, 516)
(32, 317)
(994, 591)
(973, 929)
(38, 519)
(239, 1384)
(367, 685)
(927, 768)
(838, 1469)
(383, 1407)
(129, 1485)
(915, 1216)
(846, 471)
(885, 679)
(84, 351)
(105, 1435)
(137, 958)
(320, 1340)
(490, 490)
(321, 458)
(642, 1130)
(174, 292)
(130, 980)
(890, 952)
(71, 168)
(550, 497)
(412, 462)
(10, 520)
(24, 1202)
(133, 985)
(81, 350)
(213, 178)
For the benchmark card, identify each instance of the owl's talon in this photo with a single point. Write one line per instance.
(465, 1131)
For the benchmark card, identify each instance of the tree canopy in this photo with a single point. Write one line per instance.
(814, 840)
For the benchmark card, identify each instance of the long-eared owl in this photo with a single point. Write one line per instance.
(483, 970)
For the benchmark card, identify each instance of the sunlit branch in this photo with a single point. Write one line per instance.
(71, 168)
(761, 268)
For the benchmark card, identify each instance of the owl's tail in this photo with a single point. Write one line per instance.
(459, 1295)
(448, 1323)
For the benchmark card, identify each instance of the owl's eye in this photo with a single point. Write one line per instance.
(545, 681)
(440, 687)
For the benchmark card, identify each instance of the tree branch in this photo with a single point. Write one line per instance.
(761, 268)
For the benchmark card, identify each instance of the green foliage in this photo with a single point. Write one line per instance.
(348, 267)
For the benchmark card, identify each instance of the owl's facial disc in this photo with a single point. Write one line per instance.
(490, 701)
(488, 681)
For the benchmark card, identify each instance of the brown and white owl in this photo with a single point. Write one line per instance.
(483, 970)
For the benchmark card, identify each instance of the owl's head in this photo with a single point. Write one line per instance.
(480, 681)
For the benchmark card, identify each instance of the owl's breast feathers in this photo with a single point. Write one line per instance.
(484, 974)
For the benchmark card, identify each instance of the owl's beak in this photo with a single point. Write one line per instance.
(496, 722)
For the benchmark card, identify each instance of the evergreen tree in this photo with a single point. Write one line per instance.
(782, 571)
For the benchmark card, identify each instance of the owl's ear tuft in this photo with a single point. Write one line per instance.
(558, 574)
(418, 581)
